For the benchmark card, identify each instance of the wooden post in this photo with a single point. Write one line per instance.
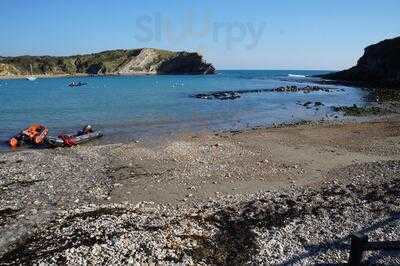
(358, 244)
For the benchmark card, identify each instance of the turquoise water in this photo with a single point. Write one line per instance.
(137, 106)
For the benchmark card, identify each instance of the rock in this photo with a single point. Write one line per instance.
(379, 66)
(306, 89)
(232, 95)
(183, 63)
(224, 95)
(8, 70)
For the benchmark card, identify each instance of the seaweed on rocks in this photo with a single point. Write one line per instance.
(386, 95)
(223, 95)
(358, 111)
(306, 89)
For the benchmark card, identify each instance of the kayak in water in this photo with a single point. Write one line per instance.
(74, 84)
(83, 136)
(35, 134)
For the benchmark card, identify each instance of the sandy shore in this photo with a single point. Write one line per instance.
(289, 195)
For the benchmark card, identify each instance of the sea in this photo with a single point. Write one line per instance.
(128, 108)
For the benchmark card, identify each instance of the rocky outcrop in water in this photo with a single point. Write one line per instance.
(219, 95)
(306, 89)
(184, 62)
(379, 66)
(124, 62)
(232, 95)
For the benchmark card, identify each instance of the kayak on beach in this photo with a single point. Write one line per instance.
(81, 137)
(38, 135)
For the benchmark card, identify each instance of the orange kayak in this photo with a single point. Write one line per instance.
(35, 134)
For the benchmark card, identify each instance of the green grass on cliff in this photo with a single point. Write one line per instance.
(164, 54)
(103, 62)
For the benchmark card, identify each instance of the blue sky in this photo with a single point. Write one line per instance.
(258, 34)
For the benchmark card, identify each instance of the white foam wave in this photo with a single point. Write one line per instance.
(297, 76)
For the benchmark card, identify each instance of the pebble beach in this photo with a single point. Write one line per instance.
(286, 195)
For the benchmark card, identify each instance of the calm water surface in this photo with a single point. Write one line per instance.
(130, 107)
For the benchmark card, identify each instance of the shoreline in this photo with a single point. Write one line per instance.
(152, 139)
(133, 74)
(76, 75)
(204, 177)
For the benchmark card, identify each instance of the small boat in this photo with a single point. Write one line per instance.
(35, 134)
(74, 84)
(31, 77)
(83, 136)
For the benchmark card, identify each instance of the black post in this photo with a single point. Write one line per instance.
(358, 244)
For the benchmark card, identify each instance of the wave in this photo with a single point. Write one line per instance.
(297, 76)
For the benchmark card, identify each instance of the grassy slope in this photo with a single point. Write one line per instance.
(103, 62)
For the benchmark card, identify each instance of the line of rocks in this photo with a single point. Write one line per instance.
(306, 89)
(235, 94)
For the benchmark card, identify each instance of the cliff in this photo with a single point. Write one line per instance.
(379, 66)
(135, 61)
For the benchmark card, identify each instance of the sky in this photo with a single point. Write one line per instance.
(231, 34)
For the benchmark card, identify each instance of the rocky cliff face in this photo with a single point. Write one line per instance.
(137, 61)
(379, 66)
(185, 63)
(8, 70)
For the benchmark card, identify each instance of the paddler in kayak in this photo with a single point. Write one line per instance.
(86, 130)
(74, 84)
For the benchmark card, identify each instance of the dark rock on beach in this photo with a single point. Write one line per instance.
(358, 111)
(379, 66)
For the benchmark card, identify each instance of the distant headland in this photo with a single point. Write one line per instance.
(113, 62)
(378, 67)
